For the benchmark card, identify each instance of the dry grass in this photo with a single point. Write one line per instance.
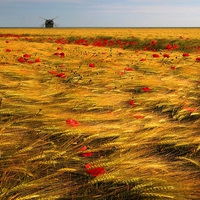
(150, 150)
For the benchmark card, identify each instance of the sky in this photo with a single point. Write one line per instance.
(101, 13)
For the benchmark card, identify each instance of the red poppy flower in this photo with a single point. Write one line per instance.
(8, 50)
(72, 122)
(56, 53)
(62, 75)
(153, 42)
(121, 73)
(146, 89)
(30, 61)
(168, 47)
(58, 48)
(134, 43)
(26, 55)
(131, 102)
(186, 54)
(173, 67)
(190, 109)
(86, 154)
(92, 65)
(197, 59)
(87, 166)
(128, 69)
(62, 66)
(138, 116)
(7, 41)
(52, 72)
(37, 60)
(156, 55)
(21, 60)
(166, 55)
(62, 55)
(83, 148)
(142, 59)
(175, 46)
(96, 171)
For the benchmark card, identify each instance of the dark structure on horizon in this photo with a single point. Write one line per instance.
(49, 23)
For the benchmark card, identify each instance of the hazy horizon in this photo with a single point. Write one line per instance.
(100, 28)
(100, 13)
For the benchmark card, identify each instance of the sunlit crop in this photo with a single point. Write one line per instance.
(99, 114)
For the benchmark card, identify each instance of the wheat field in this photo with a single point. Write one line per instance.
(105, 114)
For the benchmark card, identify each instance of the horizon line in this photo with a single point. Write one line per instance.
(108, 27)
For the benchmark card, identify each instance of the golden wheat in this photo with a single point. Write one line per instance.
(147, 142)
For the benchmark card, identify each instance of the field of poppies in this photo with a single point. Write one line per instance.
(101, 114)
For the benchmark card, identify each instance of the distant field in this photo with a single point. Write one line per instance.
(100, 114)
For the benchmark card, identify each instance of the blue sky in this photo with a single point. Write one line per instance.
(101, 13)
